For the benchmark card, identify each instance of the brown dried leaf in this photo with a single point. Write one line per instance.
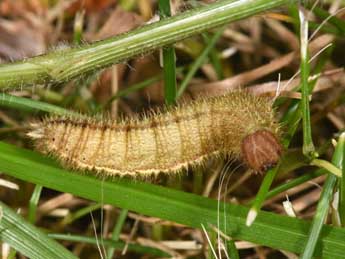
(119, 21)
(20, 39)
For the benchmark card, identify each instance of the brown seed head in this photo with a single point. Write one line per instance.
(261, 150)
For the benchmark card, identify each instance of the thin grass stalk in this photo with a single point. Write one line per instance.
(29, 105)
(169, 62)
(117, 231)
(308, 146)
(342, 192)
(70, 218)
(261, 195)
(324, 202)
(214, 57)
(36, 194)
(199, 61)
(295, 182)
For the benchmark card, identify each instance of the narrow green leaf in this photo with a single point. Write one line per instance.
(27, 239)
(117, 230)
(26, 104)
(324, 202)
(293, 183)
(199, 61)
(342, 190)
(36, 194)
(261, 195)
(169, 62)
(308, 146)
(157, 201)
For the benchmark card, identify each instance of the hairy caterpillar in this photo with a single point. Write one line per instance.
(238, 123)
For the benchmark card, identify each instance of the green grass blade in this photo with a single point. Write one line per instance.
(233, 253)
(261, 195)
(323, 14)
(26, 104)
(27, 239)
(169, 75)
(81, 213)
(36, 194)
(342, 191)
(324, 202)
(157, 201)
(308, 146)
(214, 57)
(169, 62)
(293, 183)
(199, 61)
(117, 231)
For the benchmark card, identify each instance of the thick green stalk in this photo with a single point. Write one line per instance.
(63, 65)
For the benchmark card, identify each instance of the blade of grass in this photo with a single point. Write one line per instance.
(214, 56)
(27, 239)
(63, 65)
(36, 194)
(342, 188)
(199, 61)
(26, 104)
(157, 201)
(80, 213)
(261, 195)
(323, 14)
(233, 252)
(117, 230)
(169, 63)
(308, 146)
(324, 202)
(327, 165)
(293, 183)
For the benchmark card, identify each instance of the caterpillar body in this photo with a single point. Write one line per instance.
(237, 124)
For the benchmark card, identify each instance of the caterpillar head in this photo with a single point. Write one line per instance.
(261, 150)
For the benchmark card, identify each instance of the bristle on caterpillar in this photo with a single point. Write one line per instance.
(237, 124)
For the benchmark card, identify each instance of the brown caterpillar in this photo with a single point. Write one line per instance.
(238, 123)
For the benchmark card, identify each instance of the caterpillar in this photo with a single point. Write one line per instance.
(238, 124)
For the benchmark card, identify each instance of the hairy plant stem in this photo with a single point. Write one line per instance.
(63, 65)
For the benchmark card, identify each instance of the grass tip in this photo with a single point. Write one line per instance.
(251, 217)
